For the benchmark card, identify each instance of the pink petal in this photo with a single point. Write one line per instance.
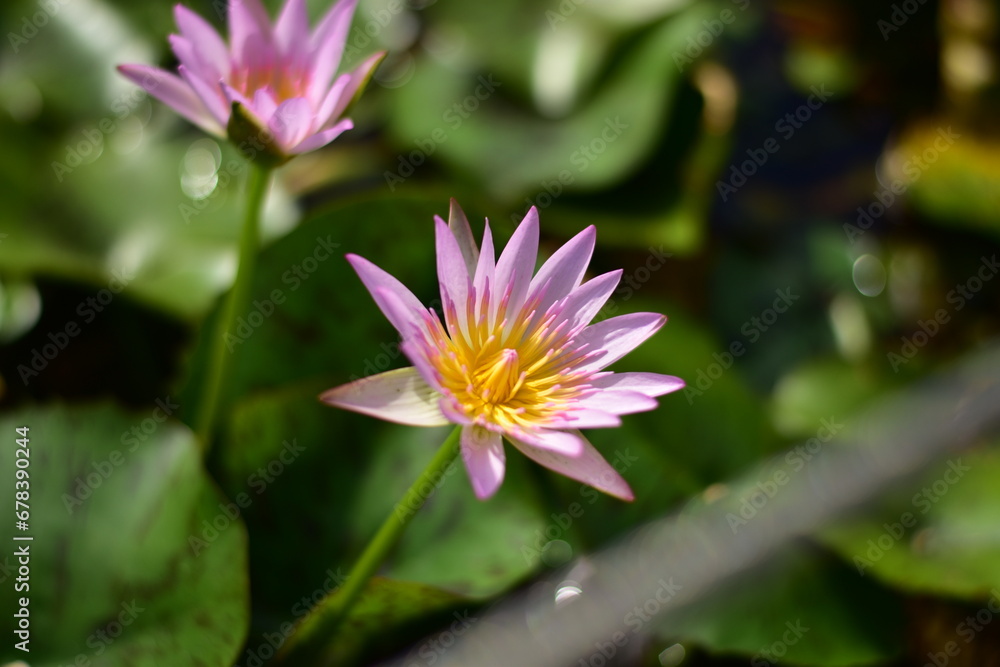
(619, 401)
(482, 451)
(587, 417)
(321, 139)
(561, 442)
(264, 104)
(291, 122)
(332, 100)
(211, 96)
(291, 31)
(610, 340)
(249, 32)
(175, 93)
(564, 270)
(356, 80)
(586, 301)
(589, 467)
(459, 226)
(211, 50)
(485, 269)
(453, 277)
(399, 396)
(378, 282)
(515, 266)
(327, 45)
(650, 384)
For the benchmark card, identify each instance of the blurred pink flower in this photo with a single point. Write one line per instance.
(516, 355)
(281, 74)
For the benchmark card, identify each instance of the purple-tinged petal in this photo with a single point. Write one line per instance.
(586, 301)
(324, 114)
(211, 96)
(356, 81)
(589, 467)
(561, 442)
(459, 225)
(482, 452)
(610, 340)
(453, 412)
(321, 139)
(249, 27)
(619, 401)
(564, 270)
(175, 93)
(650, 384)
(453, 278)
(486, 267)
(378, 282)
(212, 51)
(291, 31)
(587, 417)
(291, 122)
(264, 104)
(327, 45)
(399, 396)
(515, 266)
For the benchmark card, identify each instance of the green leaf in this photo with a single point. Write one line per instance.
(115, 573)
(938, 535)
(798, 609)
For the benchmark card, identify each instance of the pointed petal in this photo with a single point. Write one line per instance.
(291, 31)
(327, 45)
(291, 122)
(324, 114)
(564, 270)
(650, 384)
(586, 301)
(211, 96)
(459, 225)
(619, 401)
(453, 278)
(212, 51)
(378, 281)
(399, 396)
(486, 267)
(321, 139)
(175, 93)
(515, 266)
(356, 83)
(250, 36)
(610, 340)
(561, 442)
(589, 467)
(482, 452)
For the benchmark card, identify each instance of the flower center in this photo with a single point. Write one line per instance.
(284, 81)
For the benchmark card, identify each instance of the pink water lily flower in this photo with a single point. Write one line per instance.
(282, 74)
(516, 356)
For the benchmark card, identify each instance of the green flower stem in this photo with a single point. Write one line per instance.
(312, 637)
(258, 182)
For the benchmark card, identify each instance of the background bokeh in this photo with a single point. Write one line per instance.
(809, 190)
